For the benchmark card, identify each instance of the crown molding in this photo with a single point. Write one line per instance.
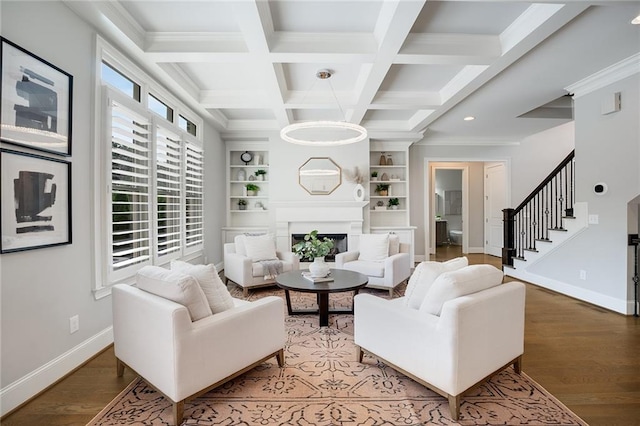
(616, 72)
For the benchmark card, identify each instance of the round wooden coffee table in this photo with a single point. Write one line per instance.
(343, 280)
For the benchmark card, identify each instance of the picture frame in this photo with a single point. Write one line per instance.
(35, 201)
(37, 98)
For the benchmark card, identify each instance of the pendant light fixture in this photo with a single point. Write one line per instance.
(324, 132)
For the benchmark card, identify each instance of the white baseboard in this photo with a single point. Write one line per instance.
(598, 299)
(27, 387)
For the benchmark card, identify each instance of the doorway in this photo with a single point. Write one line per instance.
(474, 227)
(448, 206)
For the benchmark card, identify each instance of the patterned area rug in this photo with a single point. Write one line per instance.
(323, 384)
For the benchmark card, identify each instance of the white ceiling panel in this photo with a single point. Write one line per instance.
(419, 77)
(182, 16)
(248, 114)
(468, 17)
(325, 16)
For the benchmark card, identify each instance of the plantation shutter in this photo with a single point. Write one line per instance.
(168, 192)
(130, 188)
(194, 194)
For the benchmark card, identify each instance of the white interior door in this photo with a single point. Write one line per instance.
(495, 191)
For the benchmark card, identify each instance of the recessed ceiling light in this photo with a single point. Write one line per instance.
(636, 20)
(469, 118)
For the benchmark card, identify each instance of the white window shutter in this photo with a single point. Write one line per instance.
(168, 192)
(194, 191)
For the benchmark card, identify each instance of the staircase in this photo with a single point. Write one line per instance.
(571, 226)
(545, 220)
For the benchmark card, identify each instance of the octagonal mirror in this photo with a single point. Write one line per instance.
(319, 176)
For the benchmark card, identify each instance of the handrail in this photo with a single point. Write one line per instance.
(546, 181)
(544, 209)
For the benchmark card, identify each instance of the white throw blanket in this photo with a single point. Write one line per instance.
(271, 268)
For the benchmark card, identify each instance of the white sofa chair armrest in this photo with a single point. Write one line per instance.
(225, 343)
(375, 317)
(397, 268)
(238, 268)
(344, 257)
(290, 257)
(499, 309)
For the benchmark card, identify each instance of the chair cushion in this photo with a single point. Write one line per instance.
(261, 247)
(176, 286)
(394, 244)
(374, 247)
(451, 285)
(365, 267)
(423, 277)
(215, 291)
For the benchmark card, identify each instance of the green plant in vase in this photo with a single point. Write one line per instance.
(312, 246)
(242, 204)
(374, 176)
(382, 189)
(260, 174)
(252, 189)
(394, 203)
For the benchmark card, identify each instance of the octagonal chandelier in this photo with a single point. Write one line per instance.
(324, 132)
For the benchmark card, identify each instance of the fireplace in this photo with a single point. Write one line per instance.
(340, 244)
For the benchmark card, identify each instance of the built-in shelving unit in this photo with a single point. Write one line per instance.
(390, 160)
(254, 215)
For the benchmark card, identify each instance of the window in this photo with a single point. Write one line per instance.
(160, 108)
(130, 188)
(186, 125)
(152, 168)
(117, 80)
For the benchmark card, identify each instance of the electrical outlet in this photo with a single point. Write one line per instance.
(593, 219)
(74, 324)
(583, 274)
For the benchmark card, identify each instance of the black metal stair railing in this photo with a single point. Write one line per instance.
(540, 212)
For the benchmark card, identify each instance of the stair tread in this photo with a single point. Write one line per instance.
(543, 240)
(532, 250)
(520, 258)
(557, 229)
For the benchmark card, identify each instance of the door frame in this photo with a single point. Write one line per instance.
(465, 203)
(429, 218)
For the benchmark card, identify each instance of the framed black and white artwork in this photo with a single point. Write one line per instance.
(35, 193)
(36, 101)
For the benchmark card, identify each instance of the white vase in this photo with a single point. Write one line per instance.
(358, 192)
(319, 268)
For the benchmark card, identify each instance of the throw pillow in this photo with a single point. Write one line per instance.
(451, 285)
(423, 277)
(374, 247)
(394, 244)
(175, 286)
(207, 276)
(261, 247)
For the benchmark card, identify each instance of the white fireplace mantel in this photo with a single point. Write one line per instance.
(328, 217)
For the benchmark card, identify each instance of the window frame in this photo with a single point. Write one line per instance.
(105, 94)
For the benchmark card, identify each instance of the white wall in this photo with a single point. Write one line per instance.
(607, 150)
(285, 159)
(528, 163)
(41, 289)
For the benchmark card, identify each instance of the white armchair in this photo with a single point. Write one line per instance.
(387, 263)
(245, 269)
(156, 337)
(471, 337)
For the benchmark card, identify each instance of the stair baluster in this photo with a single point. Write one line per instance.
(540, 211)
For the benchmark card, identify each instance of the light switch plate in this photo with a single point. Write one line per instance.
(593, 219)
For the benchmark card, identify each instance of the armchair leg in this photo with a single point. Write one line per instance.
(178, 412)
(245, 292)
(280, 358)
(391, 293)
(359, 354)
(119, 367)
(454, 406)
(517, 365)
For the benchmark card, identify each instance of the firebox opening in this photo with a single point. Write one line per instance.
(339, 244)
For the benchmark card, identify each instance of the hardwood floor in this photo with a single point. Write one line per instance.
(588, 357)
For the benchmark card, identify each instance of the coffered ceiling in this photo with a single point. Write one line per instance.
(404, 69)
